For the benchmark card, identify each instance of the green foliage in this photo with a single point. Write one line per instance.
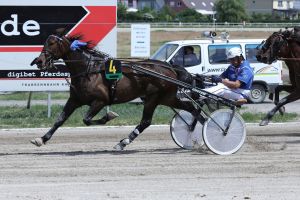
(267, 17)
(256, 117)
(121, 12)
(231, 11)
(36, 116)
(163, 15)
(190, 15)
(35, 96)
(166, 14)
(134, 16)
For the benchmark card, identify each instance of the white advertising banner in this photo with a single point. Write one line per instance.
(140, 40)
(25, 26)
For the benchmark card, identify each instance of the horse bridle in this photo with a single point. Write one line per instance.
(283, 40)
(50, 55)
(276, 46)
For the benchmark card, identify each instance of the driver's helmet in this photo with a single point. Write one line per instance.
(233, 52)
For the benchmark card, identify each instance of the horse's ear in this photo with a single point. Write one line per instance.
(61, 32)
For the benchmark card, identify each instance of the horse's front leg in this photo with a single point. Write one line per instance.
(93, 110)
(69, 108)
(278, 89)
(290, 98)
(148, 111)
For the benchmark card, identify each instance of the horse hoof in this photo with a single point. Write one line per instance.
(119, 147)
(112, 115)
(264, 123)
(282, 110)
(37, 142)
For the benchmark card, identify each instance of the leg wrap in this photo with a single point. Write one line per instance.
(124, 142)
(133, 135)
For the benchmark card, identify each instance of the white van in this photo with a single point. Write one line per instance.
(211, 60)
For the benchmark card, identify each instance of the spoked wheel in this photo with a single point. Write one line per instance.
(214, 137)
(181, 133)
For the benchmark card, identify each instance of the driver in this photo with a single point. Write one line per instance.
(189, 58)
(236, 81)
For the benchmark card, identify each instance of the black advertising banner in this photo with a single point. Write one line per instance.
(31, 25)
(25, 25)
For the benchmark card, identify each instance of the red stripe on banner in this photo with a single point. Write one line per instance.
(20, 49)
(100, 21)
(45, 79)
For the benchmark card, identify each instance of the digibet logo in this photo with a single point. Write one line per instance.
(10, 27)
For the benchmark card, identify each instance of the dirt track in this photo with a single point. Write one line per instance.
(80, 164)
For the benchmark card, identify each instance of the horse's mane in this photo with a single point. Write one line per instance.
(90, 47)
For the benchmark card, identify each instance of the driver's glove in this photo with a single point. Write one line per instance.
(216, 79)
(76, 44)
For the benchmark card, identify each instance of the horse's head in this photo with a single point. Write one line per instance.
(55, 47)
(274, 47)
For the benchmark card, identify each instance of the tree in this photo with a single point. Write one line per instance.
(260, 17)
(121, 12)
(230, 11)
(190, 15)
(166, 14)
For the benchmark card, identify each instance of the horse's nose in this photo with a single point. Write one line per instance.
(264, 59)
(258, 57)
(36, 61)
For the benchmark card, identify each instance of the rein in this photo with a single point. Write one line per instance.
(87, 72)
(291, 59)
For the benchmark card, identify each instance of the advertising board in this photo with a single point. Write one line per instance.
(25, 26)
(140, 40)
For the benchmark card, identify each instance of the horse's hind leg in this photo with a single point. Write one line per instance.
(290, 98)
(148, 111)
(93, 110)
(69, 108)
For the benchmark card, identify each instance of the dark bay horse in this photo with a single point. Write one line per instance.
(282, 45)
(90, 87)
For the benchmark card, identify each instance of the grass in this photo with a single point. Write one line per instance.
(130, 114)
(256, 117)
(34, 96)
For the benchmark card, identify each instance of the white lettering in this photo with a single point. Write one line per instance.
(13, 23)
(10, 27)
(55, 74)
(31, 28)
(21, 74)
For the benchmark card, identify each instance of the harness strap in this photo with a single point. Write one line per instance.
(112, 84)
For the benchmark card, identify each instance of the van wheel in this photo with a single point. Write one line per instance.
(258, 93)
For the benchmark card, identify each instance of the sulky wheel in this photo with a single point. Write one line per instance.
(182, 135)
(214, 137)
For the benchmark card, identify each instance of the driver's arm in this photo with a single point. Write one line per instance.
(232, 84)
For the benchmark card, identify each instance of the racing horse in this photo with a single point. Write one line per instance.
(282, 45)
(90, 87)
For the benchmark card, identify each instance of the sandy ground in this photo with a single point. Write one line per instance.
(79, 163)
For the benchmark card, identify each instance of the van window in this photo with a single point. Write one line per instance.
(217, 53)
(187, 56)
(164, 52)
(251, 52)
